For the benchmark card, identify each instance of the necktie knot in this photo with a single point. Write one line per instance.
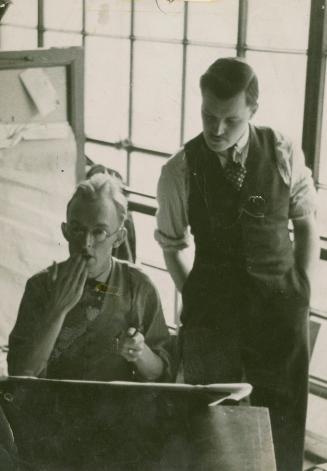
(235, 174)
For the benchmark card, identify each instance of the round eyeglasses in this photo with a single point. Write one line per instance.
(98, 235)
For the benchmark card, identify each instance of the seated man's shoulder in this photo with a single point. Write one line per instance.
(135, 274)
(41, 277)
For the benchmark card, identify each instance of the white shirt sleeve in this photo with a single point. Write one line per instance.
(172, 231)
(291, 165)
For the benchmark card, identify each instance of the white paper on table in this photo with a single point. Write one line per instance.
(223, 391)
(41, 90)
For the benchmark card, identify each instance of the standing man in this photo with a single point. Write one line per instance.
(246, 298)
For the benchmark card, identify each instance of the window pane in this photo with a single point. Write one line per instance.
(147, 248)
(322, 212)
(157, 96)
(108, 17)
(107, 156)
(281, 84)
(318, 364)
(145, 171)
(213, 21)
(317, 426)
(12, 38)
(279, 23)
(318, 295)
(165, 286)
(52, 39)
(323, 151)
(318, 288)
(107, 88)
(63, 14)
(165, 22)
(198, 60)
(21, 12)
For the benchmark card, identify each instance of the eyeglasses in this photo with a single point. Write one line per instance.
(98, 235)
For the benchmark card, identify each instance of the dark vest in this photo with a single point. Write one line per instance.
(247, 230)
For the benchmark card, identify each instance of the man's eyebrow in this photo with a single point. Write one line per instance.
(227, 117)
(100, 224)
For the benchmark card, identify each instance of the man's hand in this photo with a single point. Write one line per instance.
(131, 345)
(67, 284)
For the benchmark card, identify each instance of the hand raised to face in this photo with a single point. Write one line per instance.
(67, 282)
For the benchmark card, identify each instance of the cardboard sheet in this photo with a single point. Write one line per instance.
(37, 178)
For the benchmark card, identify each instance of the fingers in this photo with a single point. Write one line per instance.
(73, 270)
(70, 278)
(80, 270)
(132, 344)
(134, 341)
(82, 279)
(131, 332)
(54, 272)
(78, 264)
(132, 355)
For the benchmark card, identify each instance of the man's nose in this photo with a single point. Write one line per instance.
(219, 127)
(87, 240)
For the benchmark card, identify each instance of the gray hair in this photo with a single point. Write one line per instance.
(104, 186)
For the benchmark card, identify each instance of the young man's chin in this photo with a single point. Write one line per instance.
(217, 145)
(221, 147)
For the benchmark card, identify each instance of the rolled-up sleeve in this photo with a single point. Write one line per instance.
(172, 231)
(291, 165)
(303, 193)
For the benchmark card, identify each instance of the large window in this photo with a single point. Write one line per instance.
(143, 60)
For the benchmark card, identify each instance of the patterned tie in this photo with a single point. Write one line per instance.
(235, 174)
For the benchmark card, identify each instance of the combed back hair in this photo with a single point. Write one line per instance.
(100, 186)
(228, 76)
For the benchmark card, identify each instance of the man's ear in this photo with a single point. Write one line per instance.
(121, 235)
(64, 230)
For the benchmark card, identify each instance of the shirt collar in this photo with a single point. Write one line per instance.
(115, 281)
(239, 150)
(242, 142)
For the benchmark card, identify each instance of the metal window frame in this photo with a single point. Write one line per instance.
(314, 88)
(40, 23)
(243, 10)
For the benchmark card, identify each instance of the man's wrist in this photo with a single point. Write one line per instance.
(149, 365)
(55, 312)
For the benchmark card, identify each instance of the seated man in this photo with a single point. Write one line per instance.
(91, 317)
